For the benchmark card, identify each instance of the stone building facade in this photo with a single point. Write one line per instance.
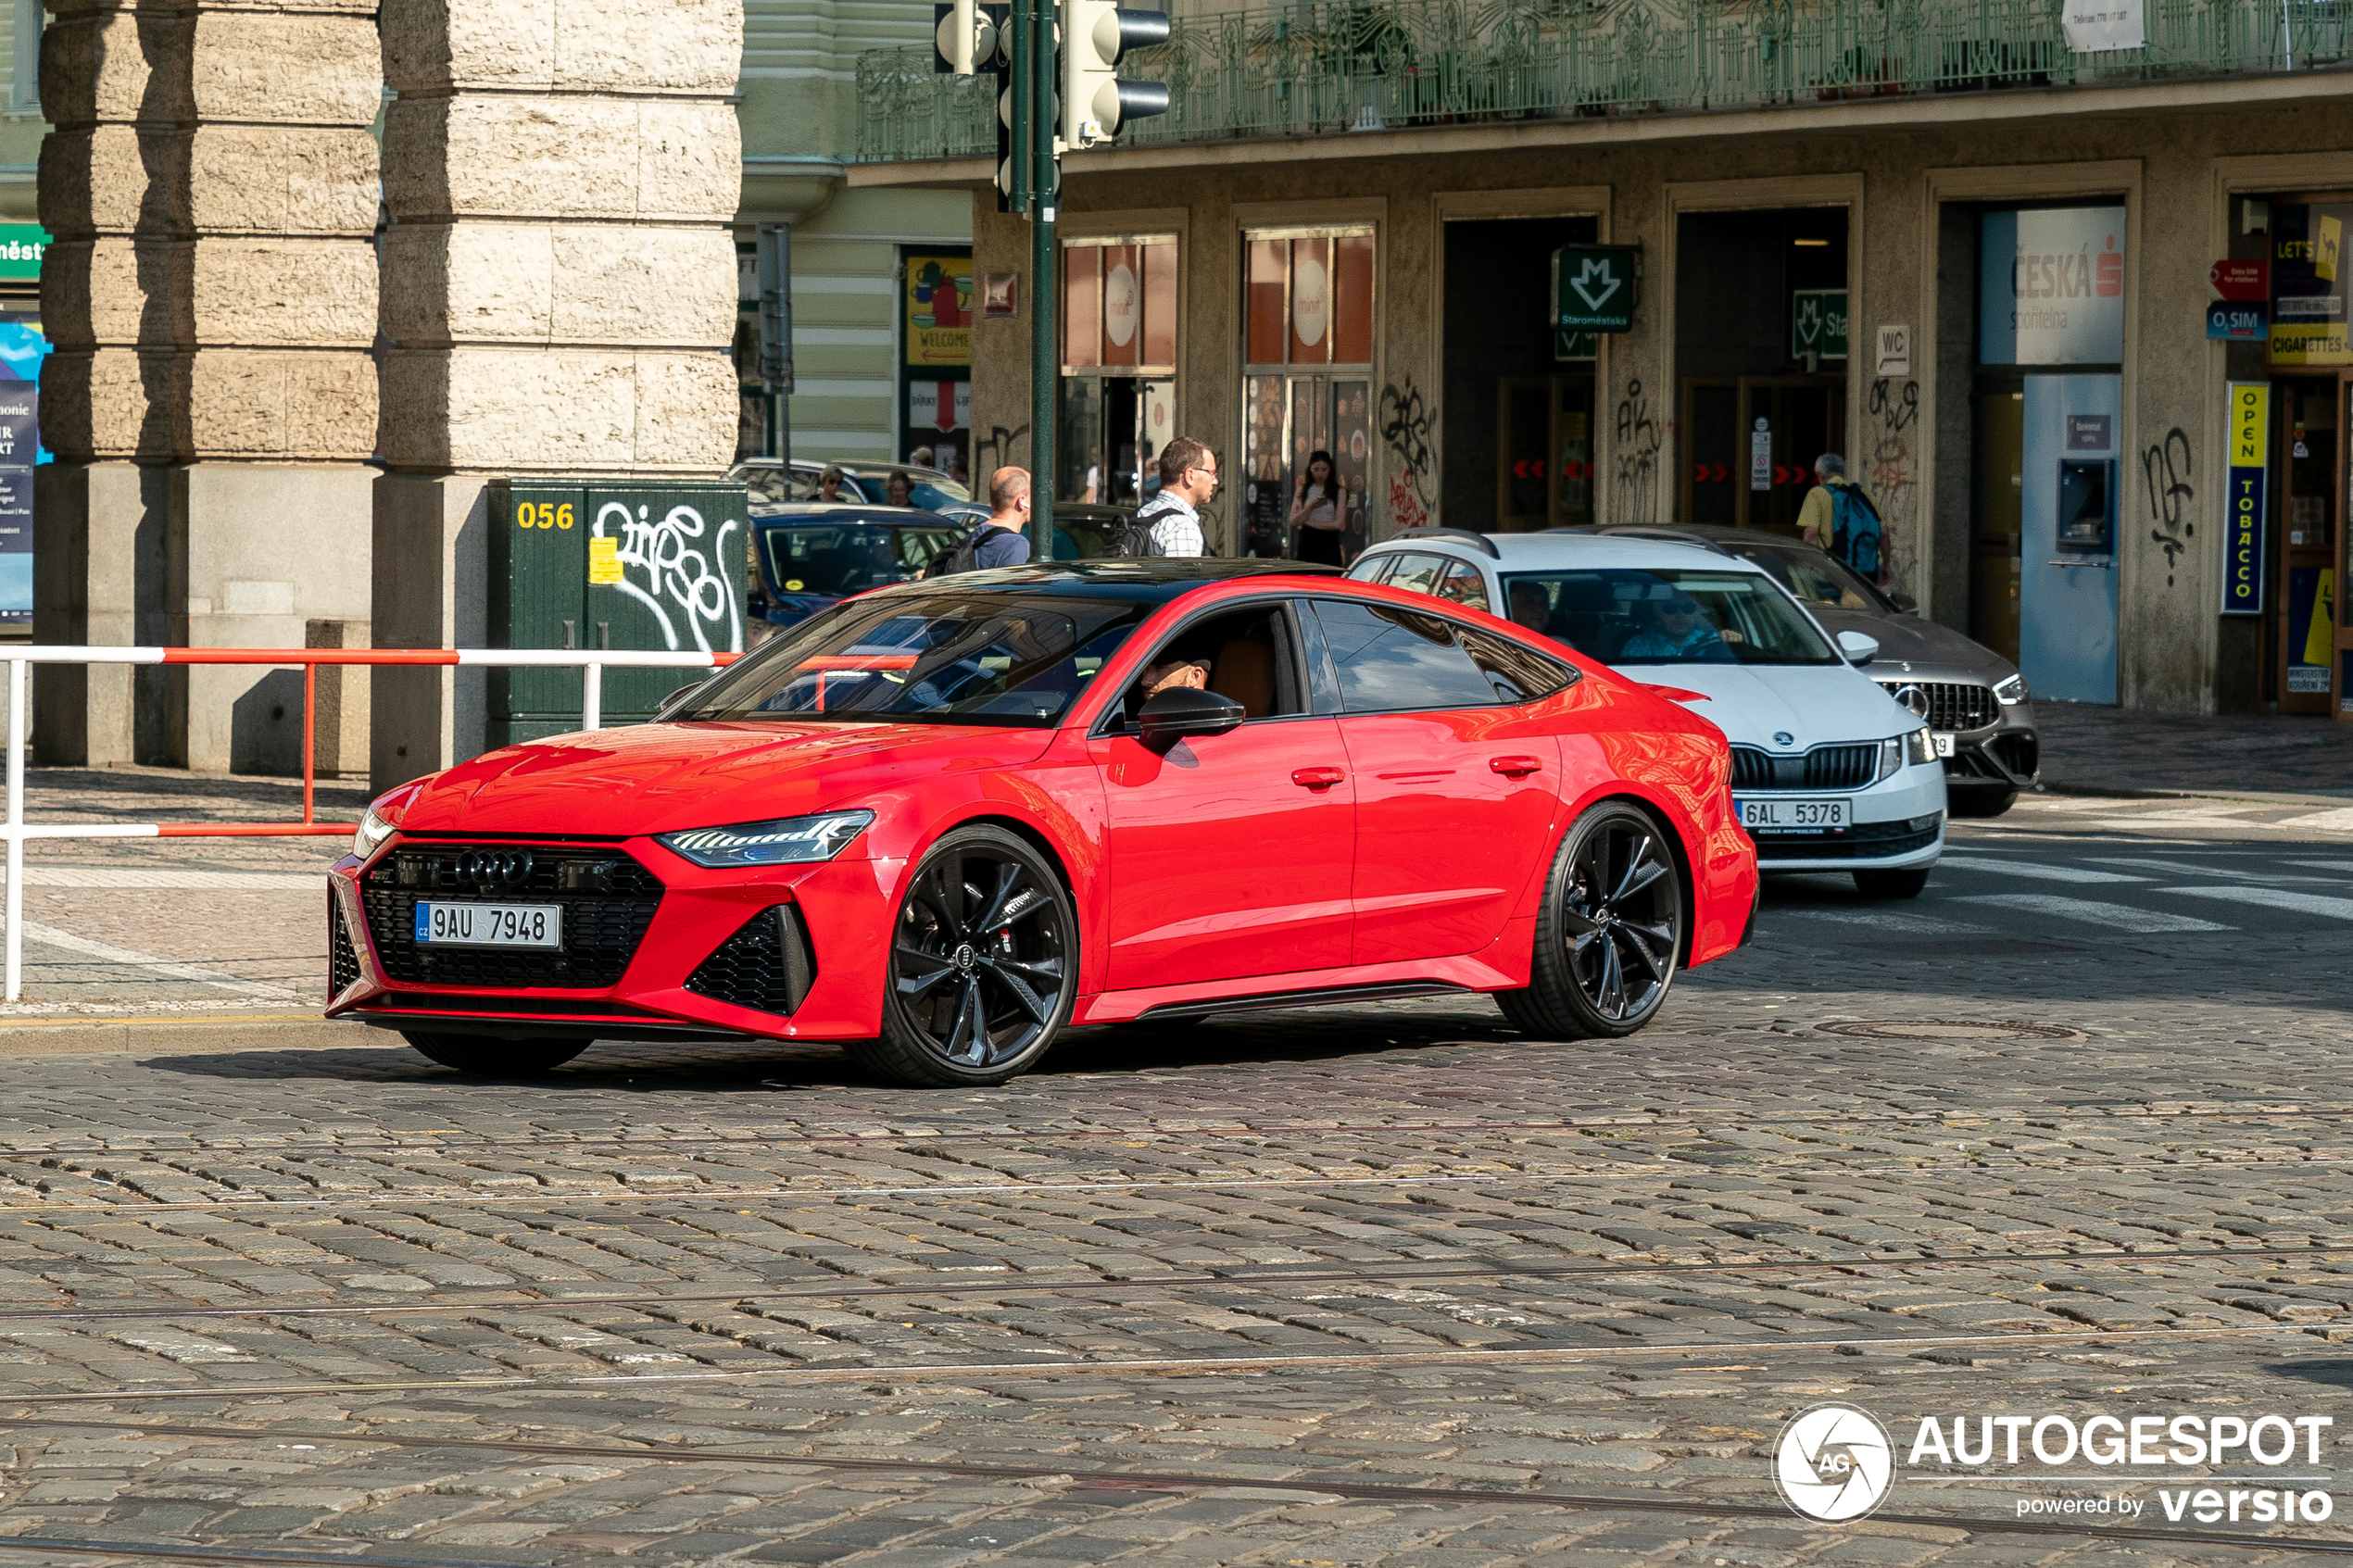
(1464, 408)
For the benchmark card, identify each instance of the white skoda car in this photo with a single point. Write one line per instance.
(1831, 773)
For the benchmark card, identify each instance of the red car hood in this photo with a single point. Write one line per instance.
(657, 778)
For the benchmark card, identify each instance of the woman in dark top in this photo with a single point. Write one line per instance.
(1318, 509)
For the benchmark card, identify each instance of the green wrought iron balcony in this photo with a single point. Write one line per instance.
(1319, 69)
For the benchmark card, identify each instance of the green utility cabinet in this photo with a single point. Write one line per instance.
(585, 564)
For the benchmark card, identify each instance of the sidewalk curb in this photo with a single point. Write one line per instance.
(2262, 796)
(139, 1037)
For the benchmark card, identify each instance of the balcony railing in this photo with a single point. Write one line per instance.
(1332, 67)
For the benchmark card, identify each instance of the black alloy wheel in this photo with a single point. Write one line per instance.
(983, 966)
(487, 1056)
(1610, 930)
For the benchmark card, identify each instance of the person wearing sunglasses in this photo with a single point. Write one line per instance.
(1675, 627)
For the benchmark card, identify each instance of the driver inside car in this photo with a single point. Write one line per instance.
(1673, 627)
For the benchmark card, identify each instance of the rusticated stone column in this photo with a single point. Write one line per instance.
(211, 184)
(560, 292)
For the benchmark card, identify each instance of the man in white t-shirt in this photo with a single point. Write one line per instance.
(1187, 481)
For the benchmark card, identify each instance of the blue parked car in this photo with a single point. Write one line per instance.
(806, 555)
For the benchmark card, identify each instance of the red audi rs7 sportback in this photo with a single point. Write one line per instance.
(941, 822)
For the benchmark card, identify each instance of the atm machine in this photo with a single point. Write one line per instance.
(2070, 481)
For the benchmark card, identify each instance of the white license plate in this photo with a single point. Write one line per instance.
(1795, 815)
(489, 926)
(1943, 745)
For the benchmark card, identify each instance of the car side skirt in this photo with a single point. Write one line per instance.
(1468, 972)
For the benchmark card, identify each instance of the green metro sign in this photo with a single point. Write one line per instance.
(1594, 288)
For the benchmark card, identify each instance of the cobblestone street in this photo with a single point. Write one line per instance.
(1387, 1285)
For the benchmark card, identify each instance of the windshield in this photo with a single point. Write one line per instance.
(1813, 577)
(1666, 616)
(936, 658)
(839, 558)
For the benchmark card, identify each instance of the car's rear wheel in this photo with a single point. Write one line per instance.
(488, 1056)
(1892, 884)
(984, 965)
(1609, 933)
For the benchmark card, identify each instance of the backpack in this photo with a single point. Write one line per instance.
(1131, 539)
(963, 557)
(1854, 531)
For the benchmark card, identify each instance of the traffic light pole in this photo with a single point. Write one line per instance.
(1045, 362)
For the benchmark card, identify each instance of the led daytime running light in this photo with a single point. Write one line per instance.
(784, 841)
(374, 830)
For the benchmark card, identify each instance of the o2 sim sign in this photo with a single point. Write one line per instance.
(544, 514)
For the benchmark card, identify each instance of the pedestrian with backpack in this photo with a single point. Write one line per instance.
(999, 541)
(1839, 517)
(1169, 524)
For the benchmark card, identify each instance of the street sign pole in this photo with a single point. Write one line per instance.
(1045, 293)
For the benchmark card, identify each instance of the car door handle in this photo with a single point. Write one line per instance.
(1515, 767)
(1317, 779)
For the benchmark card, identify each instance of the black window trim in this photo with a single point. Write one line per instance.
(1109, 724)
(1341, 710)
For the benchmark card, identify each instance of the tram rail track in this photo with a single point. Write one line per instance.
(1074, 1365)
(1178, 1482)
(1616, 1171)
(945, 1131)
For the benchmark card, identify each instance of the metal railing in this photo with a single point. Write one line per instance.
(1334, 67)
(591, 662)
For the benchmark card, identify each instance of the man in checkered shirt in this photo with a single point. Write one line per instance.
(1188, 480)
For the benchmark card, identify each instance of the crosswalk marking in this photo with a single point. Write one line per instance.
(2183, 868)
(1892, 921)
(2325, 865)
(2338, 821)
(2272, 898)
(2028, 869)
(2122, 917)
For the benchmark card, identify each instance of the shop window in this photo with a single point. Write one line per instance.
(1118, 383)
(1308, 389)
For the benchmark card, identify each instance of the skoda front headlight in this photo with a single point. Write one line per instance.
(1919, 748)
(374, 830)
(780, 842)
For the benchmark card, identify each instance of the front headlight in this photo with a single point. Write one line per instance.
(374, 830)
(2009, 693)
(783, 841)
(1919, 748)
(1890, 758)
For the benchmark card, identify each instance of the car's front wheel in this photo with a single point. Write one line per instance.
(488, 1056)
(984, 965)
(1609, 933)
(1892, 884)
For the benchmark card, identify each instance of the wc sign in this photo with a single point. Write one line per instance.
(1594, 288)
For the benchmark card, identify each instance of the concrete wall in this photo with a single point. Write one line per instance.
(2170, 167)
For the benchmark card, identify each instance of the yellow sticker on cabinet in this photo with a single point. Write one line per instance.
(604, 560)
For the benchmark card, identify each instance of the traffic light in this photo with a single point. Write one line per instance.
(1096, 103)
(965, 37)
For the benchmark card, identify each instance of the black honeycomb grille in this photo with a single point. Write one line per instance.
(1953, 705)
(343, 958)
(766, 966)
(1865, 841)
(607, 900)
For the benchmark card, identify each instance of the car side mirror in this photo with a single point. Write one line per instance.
(1169, 716)
(1905, 602)
(1858, 648)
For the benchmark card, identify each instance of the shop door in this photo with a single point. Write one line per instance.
(2306, 429)
(2068, 494)
(1544, 452)
(1753, 445)
(1995, 535)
